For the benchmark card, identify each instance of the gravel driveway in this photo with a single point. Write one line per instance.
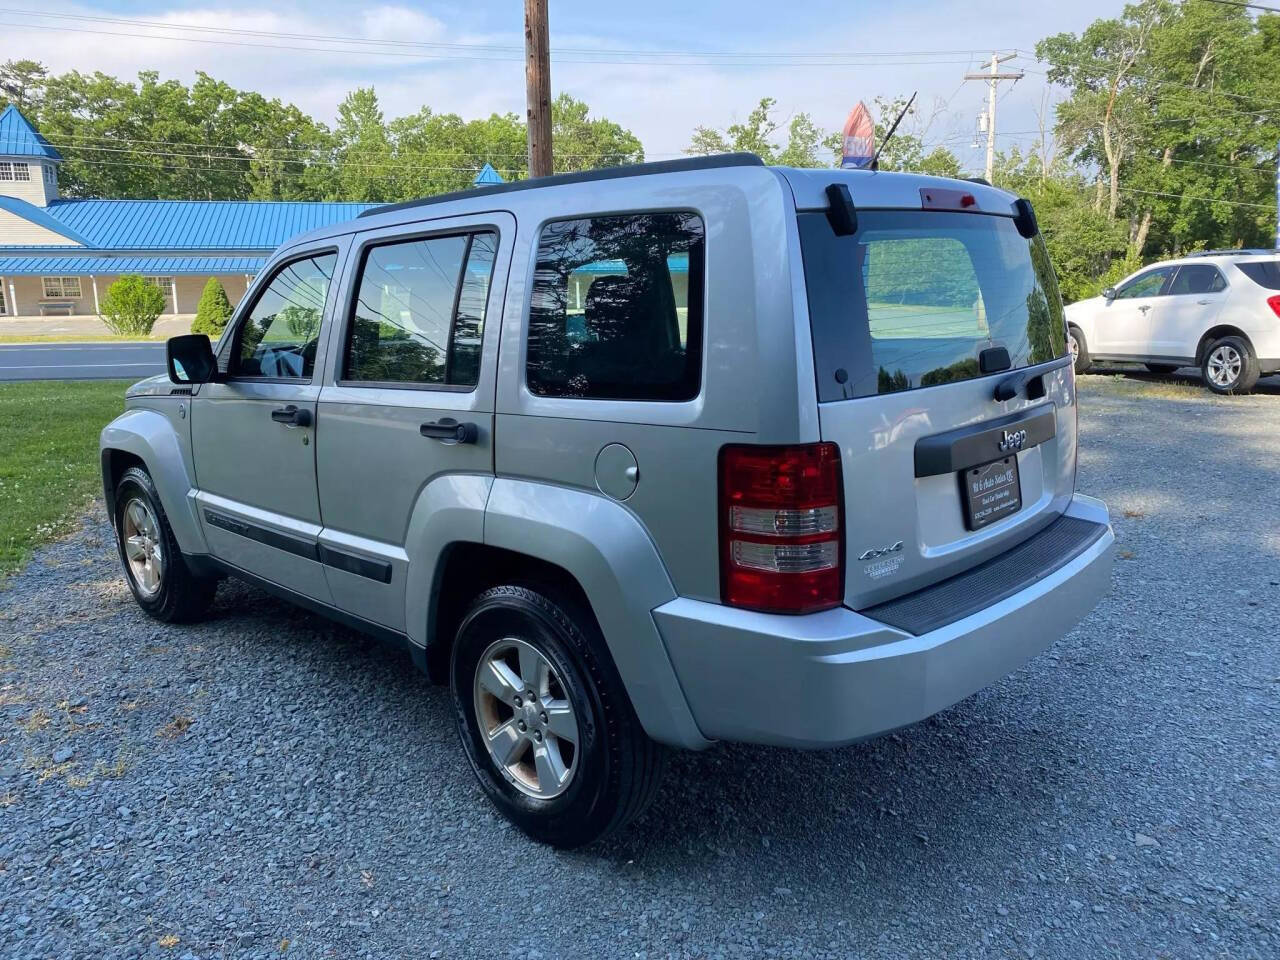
(268, 784)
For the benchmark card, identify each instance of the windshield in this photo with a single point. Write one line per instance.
(913, 297)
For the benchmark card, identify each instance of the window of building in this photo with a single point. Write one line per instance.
(419, 314)
(616, 312)
(50, 173)
(164, 284)
(6, 170)
(4, 311)
(66, 287)
(14, 170)
(278, 338)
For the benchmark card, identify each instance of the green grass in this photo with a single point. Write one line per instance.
(49, 467)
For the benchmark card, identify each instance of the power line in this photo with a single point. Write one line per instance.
(1183, 196)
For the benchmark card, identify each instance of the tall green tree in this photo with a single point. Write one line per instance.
(22, 84)
(805, 144)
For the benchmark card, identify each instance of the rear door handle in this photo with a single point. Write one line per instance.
(1204, 303)
(1145, 307)
(291, 414)
(447, 428)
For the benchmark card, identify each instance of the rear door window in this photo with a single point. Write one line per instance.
(418, 318)
(1197, 278)
(913, 297)
(616, 310)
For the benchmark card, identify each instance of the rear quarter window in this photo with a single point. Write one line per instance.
(616, 310)
(1265, 273)
(913, 297)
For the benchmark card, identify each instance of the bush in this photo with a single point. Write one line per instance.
(132, 306)
(213, 312)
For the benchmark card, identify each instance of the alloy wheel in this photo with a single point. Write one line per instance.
(525, 718)
(1074, 346)
(1224, 366)
(140, 535)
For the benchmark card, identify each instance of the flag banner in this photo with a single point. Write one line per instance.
(859, 139)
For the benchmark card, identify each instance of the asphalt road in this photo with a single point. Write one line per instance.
(80, 361)
(266, 784)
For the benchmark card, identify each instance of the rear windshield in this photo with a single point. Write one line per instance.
(914, 296)
(1265, 273)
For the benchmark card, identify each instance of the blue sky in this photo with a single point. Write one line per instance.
(926, 46)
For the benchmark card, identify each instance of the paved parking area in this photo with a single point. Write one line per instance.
(267, 784)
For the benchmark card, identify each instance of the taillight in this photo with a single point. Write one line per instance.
(781, 537)
(1274, 304)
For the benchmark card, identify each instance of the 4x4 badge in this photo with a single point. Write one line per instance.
(883, 551)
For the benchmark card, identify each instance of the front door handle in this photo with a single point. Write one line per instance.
(1204, 303)
(295, 416)
(447, 428)
(1145, 307)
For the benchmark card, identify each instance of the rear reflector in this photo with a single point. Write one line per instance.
(1274, 304)
(781, 541)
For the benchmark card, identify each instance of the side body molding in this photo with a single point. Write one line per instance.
(149, 436)
(611, 555)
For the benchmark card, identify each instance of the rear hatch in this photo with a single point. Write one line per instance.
(951, 451)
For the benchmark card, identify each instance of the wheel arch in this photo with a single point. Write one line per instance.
(1217, 332)
(596, 552)
(146, 438)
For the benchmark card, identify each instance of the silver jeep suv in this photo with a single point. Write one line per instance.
(641, 458)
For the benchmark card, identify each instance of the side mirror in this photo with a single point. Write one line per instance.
(1109, 293)
(190, 359)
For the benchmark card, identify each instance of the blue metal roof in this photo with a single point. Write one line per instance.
(32, 213)
(19, 139)
(486, 176)
(195, 224)
(110, 266)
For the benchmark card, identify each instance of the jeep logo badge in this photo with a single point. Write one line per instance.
(1013, 439)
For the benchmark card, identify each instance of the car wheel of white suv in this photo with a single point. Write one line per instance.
(1229, 366)
(1079, 350)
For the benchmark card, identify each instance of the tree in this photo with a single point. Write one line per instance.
(213, 311)
(580, 143)
(22, 84)
(1171, 108)
(805, 146)
(907, 150)
(132, 306)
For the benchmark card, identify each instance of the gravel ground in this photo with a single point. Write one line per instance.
(267, 783)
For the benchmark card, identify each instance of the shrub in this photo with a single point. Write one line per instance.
(213, 312)
(132, 306)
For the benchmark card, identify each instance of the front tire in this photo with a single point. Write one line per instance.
(545, 721)
(1079, 350)
(1229, 366)
(158, 576)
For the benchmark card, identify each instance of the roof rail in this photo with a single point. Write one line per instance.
(1232, 252)
(585, 176)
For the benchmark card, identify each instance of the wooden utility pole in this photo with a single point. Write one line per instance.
(992, 78)
(537, 78)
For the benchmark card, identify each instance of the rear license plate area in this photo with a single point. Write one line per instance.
(990, 492)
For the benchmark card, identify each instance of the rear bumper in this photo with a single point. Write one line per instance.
(839, 676)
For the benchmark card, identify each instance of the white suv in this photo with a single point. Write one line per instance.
(1218, 310)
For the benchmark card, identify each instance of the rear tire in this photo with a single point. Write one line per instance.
(1161, 369)
(1229, 366)
(590, 787)
(1079, 349)
(158, 576)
